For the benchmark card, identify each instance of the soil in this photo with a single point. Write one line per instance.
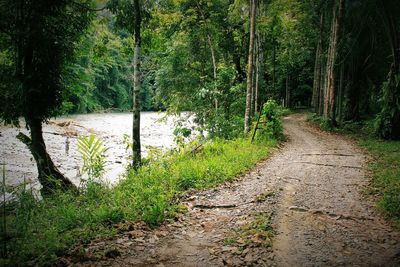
(312, 188)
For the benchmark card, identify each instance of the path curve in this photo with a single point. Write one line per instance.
(312, 188)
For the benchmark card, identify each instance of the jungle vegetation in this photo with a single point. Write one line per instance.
(220, 59)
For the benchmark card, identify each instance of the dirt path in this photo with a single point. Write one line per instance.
(312, 189)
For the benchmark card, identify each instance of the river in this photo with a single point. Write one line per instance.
(61, 137)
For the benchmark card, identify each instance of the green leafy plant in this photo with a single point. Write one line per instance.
(181, 135)
(272, 112)
(92, 151)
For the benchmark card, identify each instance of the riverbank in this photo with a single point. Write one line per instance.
(61, 136)
(38, 232)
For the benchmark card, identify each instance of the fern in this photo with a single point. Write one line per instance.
(92, 151)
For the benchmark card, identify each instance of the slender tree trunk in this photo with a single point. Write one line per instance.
(329, 103)
(136, 151)
(247, 117)
(257, 82)
(214, 62)
(273, 65)
(340, 94)
(287, 100)
(317, 68)
(253, 86)
(49, 176)
(238, 67)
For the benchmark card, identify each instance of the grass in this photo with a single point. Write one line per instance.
(385, 166)
(257, 232)
(385, 170)
(38, 232)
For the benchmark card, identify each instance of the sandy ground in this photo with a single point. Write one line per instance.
(312, 188)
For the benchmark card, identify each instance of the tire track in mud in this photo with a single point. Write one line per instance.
(319, 216)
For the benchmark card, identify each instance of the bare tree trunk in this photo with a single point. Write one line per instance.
(247, 116)
(340, 94)
(253, 86)
(287, 100)
(136, 151)
(317, 68)
(273, 64)
(258, 66)
(214, 62)
(329, 103)
(322, 86)
(49, 176)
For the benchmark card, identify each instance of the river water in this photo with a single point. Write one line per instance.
(61, 137)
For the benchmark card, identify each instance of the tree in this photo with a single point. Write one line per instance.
(129, 16)
(330, 96)
(38, 38)
(250, 66)
(136, 159)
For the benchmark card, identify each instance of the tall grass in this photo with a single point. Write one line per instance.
(41, 231)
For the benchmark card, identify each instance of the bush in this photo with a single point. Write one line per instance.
(272, 111)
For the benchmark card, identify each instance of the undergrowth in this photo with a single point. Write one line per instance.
(38, 232)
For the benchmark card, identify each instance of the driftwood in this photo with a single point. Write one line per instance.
(228, 206)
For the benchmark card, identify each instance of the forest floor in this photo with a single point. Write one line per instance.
(304, 206)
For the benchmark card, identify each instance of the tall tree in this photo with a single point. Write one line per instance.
(136, 159)
(250, 66)
(39, 37)
(318, 66)
(331, 71)
(128, 16)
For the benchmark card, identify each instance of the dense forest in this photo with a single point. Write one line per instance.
(222, 60)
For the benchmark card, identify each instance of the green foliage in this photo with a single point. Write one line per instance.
(98, 79)
(181, 135)
(272, 111)
(37, 44)
(41, 231)
(92, 152)
(387, 124)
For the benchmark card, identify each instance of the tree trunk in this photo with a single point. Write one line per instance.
(247, 117)
(340, 94)
(287, 99)
(330, 96)
(257, 82)
(136, 151)
(322, 87)
(317, 68)
(238, 67)
(214, 62)
(273, 65)
(49, 176)
(253, 86)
